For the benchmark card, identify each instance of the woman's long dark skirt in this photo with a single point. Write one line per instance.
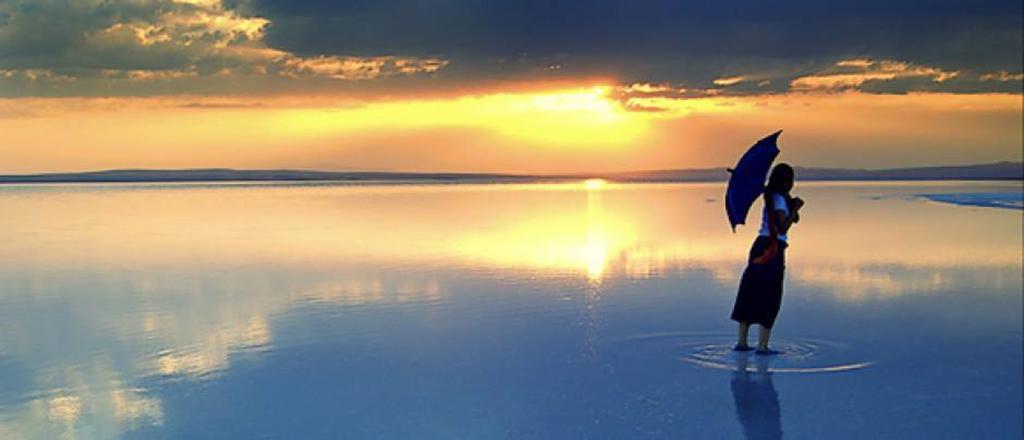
(760, 293)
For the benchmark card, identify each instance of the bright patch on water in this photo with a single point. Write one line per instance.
(1008, 200)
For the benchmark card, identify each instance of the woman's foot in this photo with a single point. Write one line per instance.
(742, 347)
(767, 352)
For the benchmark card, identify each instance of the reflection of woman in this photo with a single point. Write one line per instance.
(757, 403)
(760, 292)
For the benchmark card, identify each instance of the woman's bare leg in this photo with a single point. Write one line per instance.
(762, 343)
(744, 331)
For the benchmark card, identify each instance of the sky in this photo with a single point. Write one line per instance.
(505, 86)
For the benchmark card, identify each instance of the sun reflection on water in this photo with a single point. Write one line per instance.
(592, 231)
(596, 250)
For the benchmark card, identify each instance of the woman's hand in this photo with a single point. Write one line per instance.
(797, 203)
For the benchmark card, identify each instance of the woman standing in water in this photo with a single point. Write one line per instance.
(760, 292)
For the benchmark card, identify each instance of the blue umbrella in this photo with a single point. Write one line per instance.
(748, 177)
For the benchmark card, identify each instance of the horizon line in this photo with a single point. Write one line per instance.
(1005, 170)
(486, 173)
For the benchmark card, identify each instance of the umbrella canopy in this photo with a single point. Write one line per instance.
(748, 177)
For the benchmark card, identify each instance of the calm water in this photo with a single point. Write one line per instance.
(501, 311)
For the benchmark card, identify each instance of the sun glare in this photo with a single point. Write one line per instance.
(591, 102)
(579, 118)
(594, 184)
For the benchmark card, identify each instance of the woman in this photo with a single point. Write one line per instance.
(760, 292)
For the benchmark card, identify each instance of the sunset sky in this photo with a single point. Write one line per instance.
(496, 86)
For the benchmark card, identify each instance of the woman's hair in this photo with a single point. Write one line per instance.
(781, 177)
(779, 181)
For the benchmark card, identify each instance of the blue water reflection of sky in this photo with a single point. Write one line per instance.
(527, 311)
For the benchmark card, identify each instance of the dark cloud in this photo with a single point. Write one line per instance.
(142, 47)
(220, 105)
(130, 47)
(692, 41)
(61, 34)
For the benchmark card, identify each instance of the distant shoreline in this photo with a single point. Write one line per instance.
(1011, 171)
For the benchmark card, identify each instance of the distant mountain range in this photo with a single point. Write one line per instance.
(993, 171)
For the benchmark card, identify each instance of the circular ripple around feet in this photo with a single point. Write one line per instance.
(714, 350)
(797, 356)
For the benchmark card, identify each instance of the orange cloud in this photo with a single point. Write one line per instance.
(646, 88)
(858, 62)
(728, 81)
(868, 70)
(1002, 76)
(355, 68)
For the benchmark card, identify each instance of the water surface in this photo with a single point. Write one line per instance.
(501, 311)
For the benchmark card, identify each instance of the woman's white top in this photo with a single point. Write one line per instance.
(780, 205)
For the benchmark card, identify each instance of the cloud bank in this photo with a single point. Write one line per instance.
(146, 47)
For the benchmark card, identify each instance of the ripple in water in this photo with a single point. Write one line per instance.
(799, 355)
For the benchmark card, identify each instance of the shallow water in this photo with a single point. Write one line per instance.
(1009, 200)
(501, 311)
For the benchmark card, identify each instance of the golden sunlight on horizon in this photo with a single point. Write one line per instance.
(570, 118)
(565, 130)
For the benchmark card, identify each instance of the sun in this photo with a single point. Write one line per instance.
(594, 184)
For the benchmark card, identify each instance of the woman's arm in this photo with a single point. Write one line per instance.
(784, 220)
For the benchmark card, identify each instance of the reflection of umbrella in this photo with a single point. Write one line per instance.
(747, 180)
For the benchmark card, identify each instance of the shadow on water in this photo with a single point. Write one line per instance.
(757, 403)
